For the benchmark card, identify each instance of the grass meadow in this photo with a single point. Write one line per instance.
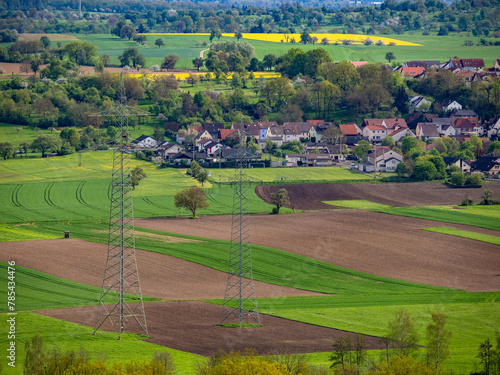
(39, 196)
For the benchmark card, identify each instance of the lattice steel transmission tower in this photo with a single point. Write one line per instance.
(240, 302)
(121, 297)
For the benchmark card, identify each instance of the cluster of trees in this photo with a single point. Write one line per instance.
(198, 173)
(401, 347)
(40, 360)
(478, 18)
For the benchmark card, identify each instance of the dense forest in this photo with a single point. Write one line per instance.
(60, 16)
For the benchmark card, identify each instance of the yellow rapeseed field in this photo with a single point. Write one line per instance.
(281, 38)
(183, 76)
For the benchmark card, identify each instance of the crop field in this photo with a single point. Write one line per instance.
(409, 47)
(487, 217)
(68, 193)
(327, 174)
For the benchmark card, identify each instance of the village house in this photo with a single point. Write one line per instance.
(375, 133)
(144, 142)
(487, 165)
(494, 128)
(383, 159)
(166, 150)
(419, 103)
(459, 162)
(426, 131)
(295, 131)
(311, 160)
(450, 105)
(412, 72)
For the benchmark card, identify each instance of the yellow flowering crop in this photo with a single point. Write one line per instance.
(278, 38)
(183, 76)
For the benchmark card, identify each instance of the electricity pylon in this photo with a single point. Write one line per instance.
(240, 302)
(121, 287)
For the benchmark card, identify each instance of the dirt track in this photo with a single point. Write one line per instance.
(161, 276)
(310, 196)
(192, 326)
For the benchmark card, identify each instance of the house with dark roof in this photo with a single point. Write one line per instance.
(419, 103)
(382, 159)
(459, 162)
(488, 165)
(144, 141)
(466, 113)
(311, 160)
(185, 157)
(425, 64)
(213, 128)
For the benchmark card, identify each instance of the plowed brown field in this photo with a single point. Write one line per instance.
(310, 196)
(191, 326)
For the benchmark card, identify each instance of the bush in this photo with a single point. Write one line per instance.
(457, 178)
(474, 179)
(467, 202)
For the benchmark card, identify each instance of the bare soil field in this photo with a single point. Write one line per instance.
(380, 244)
(310, 196)
(52, 37)
(161, 276)
(192, 326)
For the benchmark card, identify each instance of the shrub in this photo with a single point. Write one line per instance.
(467, 202)
(457, 178)
(474, 179)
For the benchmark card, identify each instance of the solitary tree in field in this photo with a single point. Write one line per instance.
(191, 199)
(280, 199)
(159, 42)
(137, 175)
(389, 56)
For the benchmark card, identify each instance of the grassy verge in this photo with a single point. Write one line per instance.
(70, 336)
(359, 204)
(487, 217)
(39, 290)
(466, 234)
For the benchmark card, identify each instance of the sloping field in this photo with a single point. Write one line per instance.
(311, 196)
(192, 326)
(375, 243)
(161, 276)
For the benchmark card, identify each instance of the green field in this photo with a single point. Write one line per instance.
(316, 174)
(37, 290)
(466, 234)
(358, 204)
(76, 187)
(487, 217)
(432, 47)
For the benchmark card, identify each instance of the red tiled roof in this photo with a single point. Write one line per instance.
(357, 64)
(224, 133)
(349, 129)
(199, 129)
(411, 71)
(376, 127)
(389, 122)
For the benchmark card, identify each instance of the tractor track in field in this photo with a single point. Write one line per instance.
(15, 196)
(150, 202)
(79, 196)
(46, 195)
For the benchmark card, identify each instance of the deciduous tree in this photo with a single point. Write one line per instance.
(6, 150)
(45, 143)
(438, 340)
(191, 199)
(169, 61)
(279, 199)
(403, 334)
